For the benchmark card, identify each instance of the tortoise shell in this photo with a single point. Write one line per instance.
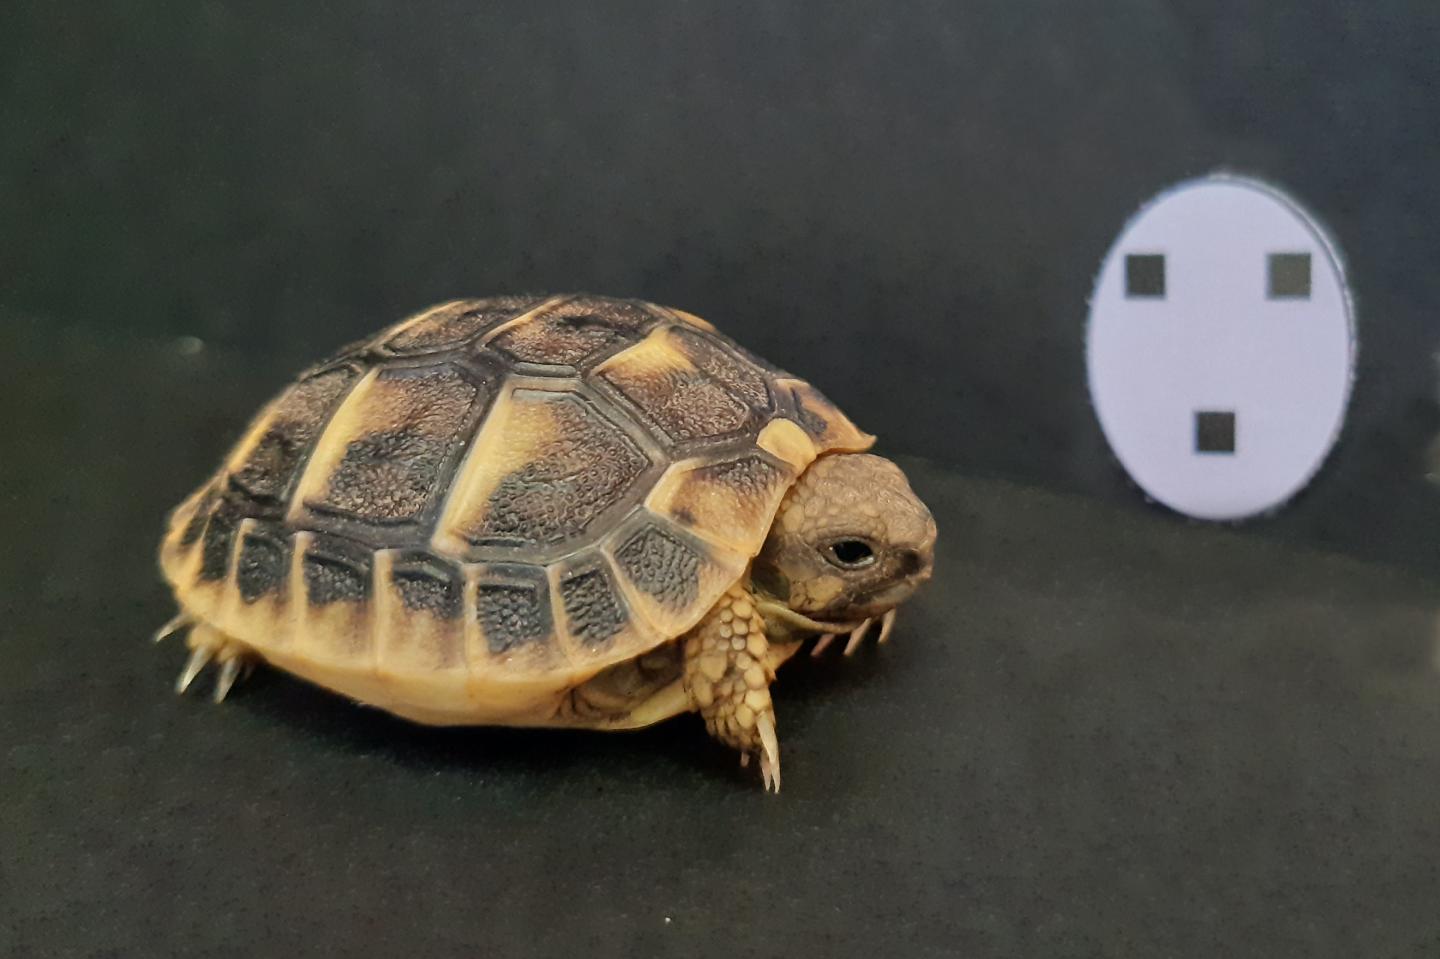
(517, 490)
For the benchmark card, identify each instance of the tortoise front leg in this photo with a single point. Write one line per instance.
(728, 670)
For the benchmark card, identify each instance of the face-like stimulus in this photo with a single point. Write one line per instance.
(850, 542)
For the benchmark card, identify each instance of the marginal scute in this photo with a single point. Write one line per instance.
(383, 460)
(286, 432)
(430, 589)
(451, 325)
(219, 540)
(662, 566)
(814, 423)
(514, 612)
(830, 428)
(337, 574)
(424, 630)
(263, 568)
(593, 607)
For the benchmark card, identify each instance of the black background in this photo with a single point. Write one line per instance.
(1154, 738)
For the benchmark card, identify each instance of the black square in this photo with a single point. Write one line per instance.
(1214, 431)
(1289, 276)
(1145, 274)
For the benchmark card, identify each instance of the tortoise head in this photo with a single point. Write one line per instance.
(851, 541)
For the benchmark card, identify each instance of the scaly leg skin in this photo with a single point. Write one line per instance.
(208, 644)
(728, 675)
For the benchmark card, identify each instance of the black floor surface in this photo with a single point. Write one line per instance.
(1101, 731)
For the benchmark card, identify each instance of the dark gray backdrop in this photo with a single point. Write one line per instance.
(905, 202)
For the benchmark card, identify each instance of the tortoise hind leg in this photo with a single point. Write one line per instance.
(728, 670)
(207, 643)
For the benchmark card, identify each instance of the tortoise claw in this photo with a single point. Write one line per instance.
(770, 757)
(177, 622)
(229, 672)
(207, 645)
(886, 625)
(858, 636)
(199, 656)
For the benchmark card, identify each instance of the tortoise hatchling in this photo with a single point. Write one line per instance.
(558, 511)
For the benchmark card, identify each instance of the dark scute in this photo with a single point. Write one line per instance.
(331, 580)
(513, 615)
(219, 538)
(196, 524)
(263, 567)
(430, 591)
(391, 475)
(595, 610)
(685, 404)
(662, 566)
(575, 331)
(271, 464)
(299, 416)
(586, 466)
(737, 374)
(456, 324)
(718, 393)
(386, 476)
(624, 315)
(556, 341)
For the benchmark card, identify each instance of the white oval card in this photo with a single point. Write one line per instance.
(1221, 347)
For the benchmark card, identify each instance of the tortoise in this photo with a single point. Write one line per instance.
(545, 511)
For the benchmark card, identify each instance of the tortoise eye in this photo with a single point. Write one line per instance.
(850, 553)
